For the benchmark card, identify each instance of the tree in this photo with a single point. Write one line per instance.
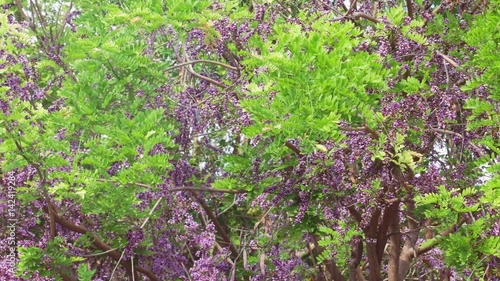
(271, 140)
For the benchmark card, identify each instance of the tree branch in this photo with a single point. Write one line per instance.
(98, 243)
(202, 61)
(351, 8)
(356, 255)
(395, 243)
(65, 20)
(448, 59)
(409, 6)
(430, 246)
(409, 253)
(367, 129)
(371, 246)
(295, 149)
(358, 15)
(448, 132)
(183, 188)
(23, 14)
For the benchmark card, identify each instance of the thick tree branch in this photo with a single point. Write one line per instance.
(409, 253)
(395, 243)
(354, 213)
(356, 255)
(409, 6)
(382, 232)
(371, 246)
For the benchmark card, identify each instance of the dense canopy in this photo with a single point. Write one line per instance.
(249, 140)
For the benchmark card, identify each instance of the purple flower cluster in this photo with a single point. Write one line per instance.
(134, 237)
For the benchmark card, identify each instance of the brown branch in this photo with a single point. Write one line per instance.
(437, 9)
(448, 132)
(351, 8)
(295, 149)
(448, 59)
(371, 248)
(25, 17)
(202, 61)
(35, 10)
(40, 174)
(354, 213)
(190, 69)
(395, 243)
(65, 20)
(367, 129)
(356, 255)
(98, 243)
(382, 232)
(208, 79)
(358, 15)
(430, 246)
(409, 6)
(184, 188)
(407, 252)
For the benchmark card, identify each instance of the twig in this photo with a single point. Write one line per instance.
(184, 188)
(358, 15)
(437, 10)
(151, 212)
(350, 8)
(132, 257)
(293, 148)
(25, 17)
(435, 241)
(202, 61)
(208, 79)
(101, 253)
(362, 129)
(116, 266)
(448, 59)
(65, 20)
(448, 132)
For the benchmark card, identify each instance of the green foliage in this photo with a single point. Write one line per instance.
(84, 273)
(305, 81)
(49, 262)
(338, 242)
(319, 81)
(485, 36)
